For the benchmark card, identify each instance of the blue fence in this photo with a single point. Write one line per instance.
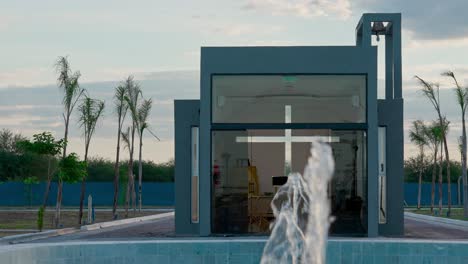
(154, 194)
(20, 194)
(411, 193)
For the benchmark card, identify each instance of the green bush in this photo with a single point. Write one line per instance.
(18, 167)
(40, 218)
(411, 171)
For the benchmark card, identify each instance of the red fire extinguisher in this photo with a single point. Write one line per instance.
(216, 174)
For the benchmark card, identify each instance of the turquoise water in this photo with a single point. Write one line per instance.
(243, 251)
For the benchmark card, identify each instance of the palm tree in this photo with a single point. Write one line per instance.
(68, 83)
(462, 100)
(443, 130)
(142, 116)
(431, 91)
(121, 109)
(90, 110)
(127, 145)
(418, 137)
(132, 93)
(434, 137)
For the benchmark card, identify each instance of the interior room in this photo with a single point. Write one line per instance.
(247, 163)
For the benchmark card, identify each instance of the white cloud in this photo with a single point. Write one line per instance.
(432, 73)
(234, 30)
(19, 107)
(27, 77)
(7, 21)
(302, 8)
(18, 120)
(414, 43)
(274, 43)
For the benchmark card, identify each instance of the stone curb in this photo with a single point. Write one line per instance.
(21, 238)
(458, 224)
(125, 221)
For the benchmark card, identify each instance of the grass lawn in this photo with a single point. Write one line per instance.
(27, 219)
(457, 213)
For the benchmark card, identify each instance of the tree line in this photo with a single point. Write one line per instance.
(433, 155)
(412, 170)
(24, 167)
(61, 165)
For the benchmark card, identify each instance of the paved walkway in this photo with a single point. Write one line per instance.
(159, 228)
(164, 228)
(421, 229)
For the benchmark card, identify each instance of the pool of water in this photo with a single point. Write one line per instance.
(243, 251)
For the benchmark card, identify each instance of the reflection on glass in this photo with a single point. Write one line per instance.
(245, 162)
(229, 171)
(348, 189)
(195, 173)
(311, 98)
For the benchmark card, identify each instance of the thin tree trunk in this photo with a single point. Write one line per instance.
(82, 196)
(140, 173)
(132, 176)
(117, 172)
(440, 179)
(130, 180)
(434, 172)
(421, 161)
(449, 191)
(129, 188)
(447, 160)
(60, 184)
(464, 173)
(419, 189)
(83, 186)
(47, 190)
(57, 207)
(133, 195)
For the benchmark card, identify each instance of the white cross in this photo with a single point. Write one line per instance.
(287, 139)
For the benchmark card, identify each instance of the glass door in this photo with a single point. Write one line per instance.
(229, 170)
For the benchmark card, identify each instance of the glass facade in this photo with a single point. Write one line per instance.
(248, 164)
(246, 161)
(312, 98)
(195, 203)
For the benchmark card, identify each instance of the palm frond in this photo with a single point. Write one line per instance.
(97, 112)
(126, 138)
(461, 93)
(89, 112)
(119, 101)
(431, 91)
(153, 134)
(62, 67)
(417, 133)
(68, 82)
(132, 93)
(143, 112)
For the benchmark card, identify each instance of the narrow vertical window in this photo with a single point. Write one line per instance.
(382, 176)
(195, 183)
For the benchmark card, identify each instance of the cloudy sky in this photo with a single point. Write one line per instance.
(159, 42)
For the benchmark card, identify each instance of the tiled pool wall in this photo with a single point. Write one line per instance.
(242, 251)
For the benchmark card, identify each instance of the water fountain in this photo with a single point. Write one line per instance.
(302, 211)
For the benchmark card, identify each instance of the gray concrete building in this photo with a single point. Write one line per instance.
(259, 109)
